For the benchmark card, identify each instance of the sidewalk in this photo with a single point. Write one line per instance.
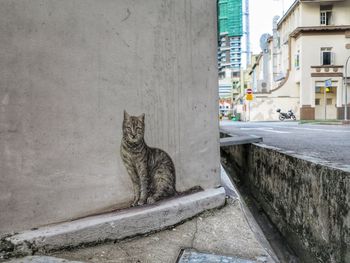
(224, 232)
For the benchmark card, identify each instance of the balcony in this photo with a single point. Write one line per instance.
(327, 71)
(224, 48)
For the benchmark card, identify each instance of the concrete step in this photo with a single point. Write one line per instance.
(114, 226)
(41, 259)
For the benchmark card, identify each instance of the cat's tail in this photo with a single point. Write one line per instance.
(192, 190)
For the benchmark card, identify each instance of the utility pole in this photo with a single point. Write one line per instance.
(247, 31)
(327, 84)
(346, 90)
(325, 102)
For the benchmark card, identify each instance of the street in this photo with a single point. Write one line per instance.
(327, 142)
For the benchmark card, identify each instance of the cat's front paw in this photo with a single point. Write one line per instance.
(150, 200)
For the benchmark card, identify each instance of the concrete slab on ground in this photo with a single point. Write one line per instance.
(193, 256)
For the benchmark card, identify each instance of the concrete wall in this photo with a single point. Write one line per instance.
(306, 199)
(68, 69)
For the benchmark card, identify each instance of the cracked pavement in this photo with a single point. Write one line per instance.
(221, 231)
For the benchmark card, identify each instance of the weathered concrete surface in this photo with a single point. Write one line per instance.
(193, 256)
(221, 231)
(42, 259)
(231, 191)
(306, 199)
(238, 140)
(113, 226)
(68, 69)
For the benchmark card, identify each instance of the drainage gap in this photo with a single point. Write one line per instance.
(278, 243)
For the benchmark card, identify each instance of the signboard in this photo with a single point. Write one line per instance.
(249, 94)
(328, 83)
(249, 97)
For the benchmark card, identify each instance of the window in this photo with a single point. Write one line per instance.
(317, 101)
(222, 75)
(329, 101)
(325, 15)
(296, 60)
(327, 57)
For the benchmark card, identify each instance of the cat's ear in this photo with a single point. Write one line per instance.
(126, 115)
(142, 117)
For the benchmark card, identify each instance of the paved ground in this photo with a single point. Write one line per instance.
(223, 231)
(327, 142)
(229, 232)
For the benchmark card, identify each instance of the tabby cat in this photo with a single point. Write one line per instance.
(151, 170)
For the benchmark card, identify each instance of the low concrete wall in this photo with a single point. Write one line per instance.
(68, 69)
(305, 198)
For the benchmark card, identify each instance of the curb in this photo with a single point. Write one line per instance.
(41, 259)
(112, 226)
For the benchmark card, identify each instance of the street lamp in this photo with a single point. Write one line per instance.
(346, 90)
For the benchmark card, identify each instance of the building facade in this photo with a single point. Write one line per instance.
(309, 46)
(229, 47)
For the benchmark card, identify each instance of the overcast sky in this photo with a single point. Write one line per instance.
(261, 15)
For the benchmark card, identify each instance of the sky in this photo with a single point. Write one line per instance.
(261, 15)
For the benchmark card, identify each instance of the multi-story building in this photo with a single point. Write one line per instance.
(229, 46)
(310, 45)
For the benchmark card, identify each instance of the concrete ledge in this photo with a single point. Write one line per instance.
(238, 140)
(41, 259)
(114, 226)
(306, 198)
(229, 139)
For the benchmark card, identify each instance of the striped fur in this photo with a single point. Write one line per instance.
(151, 170)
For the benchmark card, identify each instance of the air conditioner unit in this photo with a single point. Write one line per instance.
(262, 86)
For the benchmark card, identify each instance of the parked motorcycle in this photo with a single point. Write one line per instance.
(288, 115)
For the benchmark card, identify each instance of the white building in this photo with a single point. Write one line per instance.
(310, 44)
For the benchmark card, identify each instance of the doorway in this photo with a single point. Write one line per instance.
(325, 102)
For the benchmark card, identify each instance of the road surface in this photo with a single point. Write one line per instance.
(327, 142)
